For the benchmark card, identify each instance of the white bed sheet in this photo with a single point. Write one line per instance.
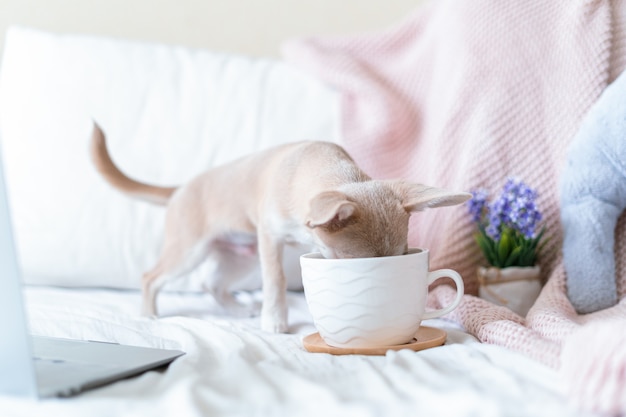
(232, 368)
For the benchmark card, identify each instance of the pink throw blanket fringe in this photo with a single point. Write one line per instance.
(463, 94)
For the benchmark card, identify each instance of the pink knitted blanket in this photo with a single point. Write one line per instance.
(464, 94)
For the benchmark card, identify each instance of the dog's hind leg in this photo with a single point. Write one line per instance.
(151, 283)
(234, 271)
(175, 261)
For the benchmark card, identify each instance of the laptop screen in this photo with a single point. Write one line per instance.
(17, 374)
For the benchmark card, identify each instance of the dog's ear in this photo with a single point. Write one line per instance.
(417, 197)
(331, 210)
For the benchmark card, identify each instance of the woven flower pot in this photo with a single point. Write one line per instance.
(515, 287)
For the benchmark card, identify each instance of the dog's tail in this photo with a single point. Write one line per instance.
(119, 180)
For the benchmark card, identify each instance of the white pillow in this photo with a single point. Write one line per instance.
(169, 113)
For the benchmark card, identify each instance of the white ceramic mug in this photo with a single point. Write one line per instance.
(369, 302)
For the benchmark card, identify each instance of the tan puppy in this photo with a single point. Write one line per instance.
(307, 192)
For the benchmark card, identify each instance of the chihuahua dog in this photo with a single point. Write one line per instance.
(310, 193)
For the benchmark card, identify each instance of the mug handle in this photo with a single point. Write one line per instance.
(460, 289)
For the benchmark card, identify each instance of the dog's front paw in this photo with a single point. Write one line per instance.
(274, 320)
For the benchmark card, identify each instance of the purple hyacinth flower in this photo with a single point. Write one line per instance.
(516, 208)
(476, 205)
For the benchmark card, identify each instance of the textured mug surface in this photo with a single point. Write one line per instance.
(366, 302)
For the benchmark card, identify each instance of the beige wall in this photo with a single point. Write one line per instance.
(254, 27)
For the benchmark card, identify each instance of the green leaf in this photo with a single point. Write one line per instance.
(504, 247)
(513, 257)
(486, 246)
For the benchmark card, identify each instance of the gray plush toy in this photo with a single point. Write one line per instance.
(593, 195)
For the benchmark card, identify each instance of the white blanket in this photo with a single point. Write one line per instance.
(232, 368)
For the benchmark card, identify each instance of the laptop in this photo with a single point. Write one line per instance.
(39, 367)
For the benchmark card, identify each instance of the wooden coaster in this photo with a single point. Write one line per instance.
(425, 338)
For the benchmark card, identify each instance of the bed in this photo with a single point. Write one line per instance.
(83, 247)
